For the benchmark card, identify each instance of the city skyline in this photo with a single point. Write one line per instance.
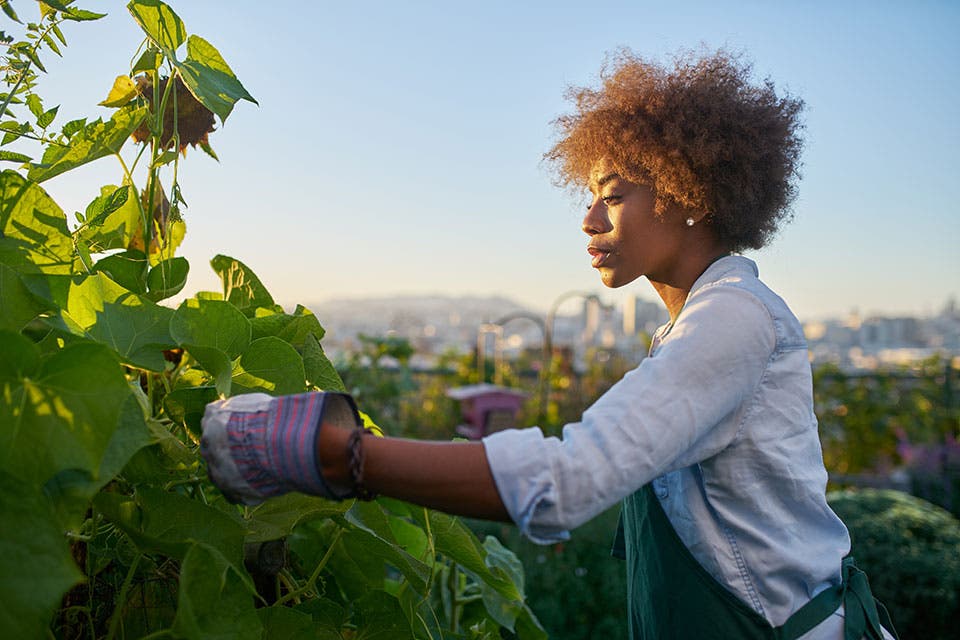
(398, 150)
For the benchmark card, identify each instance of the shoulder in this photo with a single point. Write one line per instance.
(730, 292)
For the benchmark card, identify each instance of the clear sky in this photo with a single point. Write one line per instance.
(397, 146)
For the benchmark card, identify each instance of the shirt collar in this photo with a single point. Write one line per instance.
(725, 267)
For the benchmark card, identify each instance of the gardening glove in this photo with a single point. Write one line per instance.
(257, 446)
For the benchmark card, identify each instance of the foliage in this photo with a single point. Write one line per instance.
(910, 550)
(576, 588)
(863, 417)
(111, 527)
(378, 375)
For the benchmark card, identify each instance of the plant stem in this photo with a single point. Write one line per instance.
(309, 586)
(122, 598)
(453, 579)
(289, 582)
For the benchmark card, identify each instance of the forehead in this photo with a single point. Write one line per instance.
(601, 173)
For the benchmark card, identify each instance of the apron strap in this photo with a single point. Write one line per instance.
(861, 612)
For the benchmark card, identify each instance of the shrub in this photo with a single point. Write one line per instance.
(910, 549)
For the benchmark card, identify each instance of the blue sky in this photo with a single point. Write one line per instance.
(397, 146)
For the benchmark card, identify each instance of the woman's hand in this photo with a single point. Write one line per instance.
(257, 446)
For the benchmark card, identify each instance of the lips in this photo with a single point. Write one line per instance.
(599, 255)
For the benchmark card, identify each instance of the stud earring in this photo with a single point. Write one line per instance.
(690, 222)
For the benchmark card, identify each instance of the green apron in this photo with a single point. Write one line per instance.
(670, 595)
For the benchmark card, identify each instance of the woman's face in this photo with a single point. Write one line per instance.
(627, 239)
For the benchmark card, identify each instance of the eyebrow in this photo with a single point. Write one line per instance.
(604, 180)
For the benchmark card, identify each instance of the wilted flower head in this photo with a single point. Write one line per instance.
(194, 121)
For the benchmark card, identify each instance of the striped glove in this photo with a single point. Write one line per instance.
(257, 446)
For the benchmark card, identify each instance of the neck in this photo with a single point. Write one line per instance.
(675, 291)
(673, 297)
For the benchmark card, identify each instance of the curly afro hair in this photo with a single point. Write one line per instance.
(701, 134)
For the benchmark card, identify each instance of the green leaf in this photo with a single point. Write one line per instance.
(12, 156)
(528, 627)
(113, 219)
(210, 79)
(303, 325)
(134, 327)
(409, 537)
(7, 7)
(16, 132)
(161, 24)
(207, 149)
(21, 358)
(214, 601)
(64, 415)
(276, 518)
(35, 105)
(284, 623)
(373, 534)
(167, 459)
(77, 15)
(148, 61)
(355, 570)
(123, 91)
(214, 332)
(36, 568)
(72, 127)
(166, 158)
(27, 213)
(57, 32)
(127, 268)
(97, 140)
(71, 491)
(328, 617)
(269, 365)
(163, 522)
(498, 556)
(381, 618)
(51, 7)
(186, 406)
(46, 118)
(17, 305)
(501, 561)
(216, 363)
(30, 53)
(167, 278)
(50, 42)
(241, 286)
(455, 540)
(211, 323)
(318, 369)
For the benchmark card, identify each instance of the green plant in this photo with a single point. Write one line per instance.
(378, 375)
(576, 588)
(910, 549)
(111, 527)
(863, 417)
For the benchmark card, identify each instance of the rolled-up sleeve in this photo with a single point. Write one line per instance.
(680, 406)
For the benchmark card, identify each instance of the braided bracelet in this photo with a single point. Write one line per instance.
(355, 453)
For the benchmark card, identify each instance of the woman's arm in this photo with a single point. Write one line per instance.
(454, 477)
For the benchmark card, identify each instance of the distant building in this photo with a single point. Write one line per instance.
(437, 324)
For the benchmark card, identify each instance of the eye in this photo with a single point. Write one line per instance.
(613, 198)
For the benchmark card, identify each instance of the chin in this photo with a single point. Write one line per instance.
(615, 281)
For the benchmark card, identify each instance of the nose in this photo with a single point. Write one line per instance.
(596, 219)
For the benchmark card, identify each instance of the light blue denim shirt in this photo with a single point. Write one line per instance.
(720, 418)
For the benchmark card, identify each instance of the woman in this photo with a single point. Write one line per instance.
(711, 442)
